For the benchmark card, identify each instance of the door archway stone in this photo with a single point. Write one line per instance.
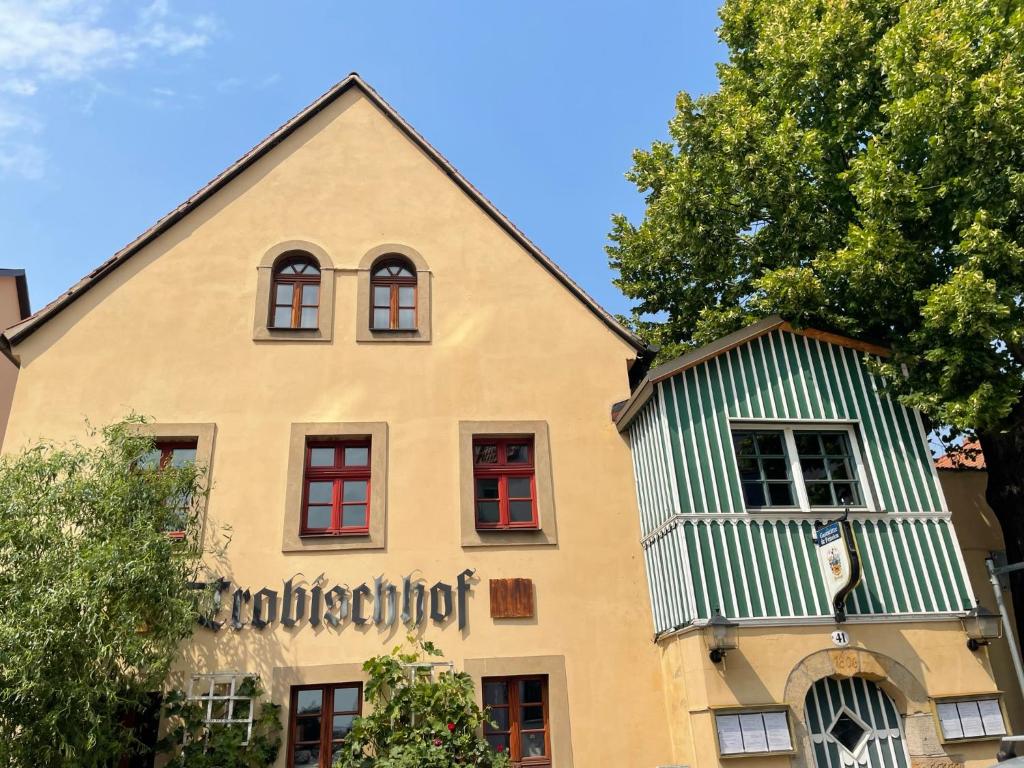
(899, 683)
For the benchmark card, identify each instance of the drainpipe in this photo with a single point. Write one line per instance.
(997, 590)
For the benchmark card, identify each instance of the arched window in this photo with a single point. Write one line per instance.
(393, 287)
(295, 294)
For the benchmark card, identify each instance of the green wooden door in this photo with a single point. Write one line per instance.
(854, 724)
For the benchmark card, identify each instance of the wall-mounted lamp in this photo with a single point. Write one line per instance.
(720, 635)
(982, 626)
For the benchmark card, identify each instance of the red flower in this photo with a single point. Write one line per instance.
(501, 747)
(437, 742)
(451, 727)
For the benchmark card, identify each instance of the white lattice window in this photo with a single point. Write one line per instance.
(226, 698)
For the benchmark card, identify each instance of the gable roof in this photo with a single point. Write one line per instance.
(966, 456)
(624, 412)
(21, 331)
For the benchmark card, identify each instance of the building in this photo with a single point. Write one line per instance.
(742, 450)
(14, 307)
(404, 406)
(964, 478)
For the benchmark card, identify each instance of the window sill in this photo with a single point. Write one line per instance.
(779, 753)
(290, 334)
(335, 534)
(506, 528)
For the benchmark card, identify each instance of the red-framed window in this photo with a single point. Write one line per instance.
(504, 482)
(172, 453)
(518, 706)
(336, 487)
(393, 288)
(321, 718)
(295, 293)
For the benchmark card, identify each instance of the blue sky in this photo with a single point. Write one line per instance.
(112, 113)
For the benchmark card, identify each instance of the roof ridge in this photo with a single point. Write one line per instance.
(25, 328)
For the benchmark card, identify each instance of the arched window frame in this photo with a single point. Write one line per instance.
(297, 298)
(365, 332)
(394, 292)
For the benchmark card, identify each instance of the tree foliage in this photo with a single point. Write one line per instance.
(418, 720)
(95, 596)
(861, 167)
(193, 743)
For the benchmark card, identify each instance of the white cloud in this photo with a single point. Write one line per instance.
(44, 42)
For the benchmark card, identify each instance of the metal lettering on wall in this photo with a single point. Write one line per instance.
(380, 603)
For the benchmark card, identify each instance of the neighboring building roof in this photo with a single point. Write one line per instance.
(966, 456)
(23, 330)
(623, 413)
(21, 284)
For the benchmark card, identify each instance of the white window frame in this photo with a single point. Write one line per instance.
(865, 737)
(201, 689)
(788, 429)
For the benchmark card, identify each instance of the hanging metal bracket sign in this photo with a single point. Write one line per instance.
(839, 560)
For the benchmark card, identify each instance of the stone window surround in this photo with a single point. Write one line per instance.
(377, 431)
(264, 283)
(422, 332)
(203, 433)
(547, 533)
(558, 693)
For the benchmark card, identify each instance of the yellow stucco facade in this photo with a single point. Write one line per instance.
(168, 334)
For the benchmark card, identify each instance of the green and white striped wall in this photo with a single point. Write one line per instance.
(755, 568)
(704, 551)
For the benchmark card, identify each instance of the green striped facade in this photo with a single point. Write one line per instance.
(703, 550)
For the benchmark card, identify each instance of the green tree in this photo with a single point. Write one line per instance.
(95, 596)
(861, 168)
(418, 720)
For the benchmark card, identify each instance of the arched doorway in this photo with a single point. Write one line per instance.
(853, 722)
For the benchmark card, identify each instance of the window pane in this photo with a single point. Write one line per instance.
(381, 318)
(381, 296)
(307, 729)
(819, 494)
(342, 725)
(517, 454)
(495, 693)
(354, 490)
(753, 494)
(241, 709)
(219, 709)
(533, 718)
(487, 512)
(780, 494)
(356, 457)
(487, 487)
(307, 756)
(309, 702)
(182, 456)
(499, 741)
(807, 443)
(770, 444)
(839, 469)
(835, 444)
(284, 294)
(775, 469)
(533, 744)
(846, 494)
(407, 318)
(500, 719)
(520, 511)
(813, 469)
(309, 317)
(321, 492)
(150, 459)
(353, 516)
(283, 317)
(401, 272)
(311, 295)
(318, 517)
(749, 469)
(744, 443)
(485, 454)
(519, 488)
(406, 296)
(321, 457)
(531, 691)
(346, 699)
